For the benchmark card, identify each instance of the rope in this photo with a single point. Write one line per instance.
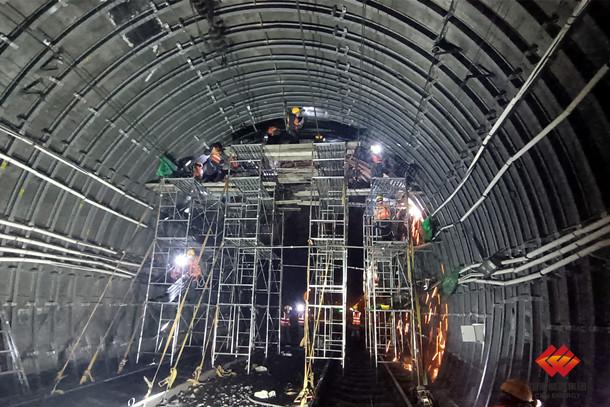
(174, 369)
(170, 336)
(87, 375)
(123, 361)
(60, 374)
(197, 372)
(169, 380)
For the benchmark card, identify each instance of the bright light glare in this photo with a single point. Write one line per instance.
(300, 307)
(538, 403)
(414, 210)
(181, 260)
(376, 149)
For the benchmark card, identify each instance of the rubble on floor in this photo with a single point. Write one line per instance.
(276, 382)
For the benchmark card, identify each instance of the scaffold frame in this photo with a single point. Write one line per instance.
(387, 291)
(187, 217)
(327, 254)
(249, 290)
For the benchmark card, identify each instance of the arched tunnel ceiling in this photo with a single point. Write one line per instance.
(111, 85)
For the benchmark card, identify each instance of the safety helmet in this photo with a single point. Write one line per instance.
(379, 198)
(190, 252)
(517, 389)
(296, 110)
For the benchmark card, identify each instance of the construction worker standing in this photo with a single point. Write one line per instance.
(285, 326)
(294, 123)
(355, 322)
(382, 215)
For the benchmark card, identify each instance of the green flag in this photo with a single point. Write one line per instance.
(166, 167)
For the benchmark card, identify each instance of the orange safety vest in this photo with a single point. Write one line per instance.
(301, 319)
(356, 318)
(285, 320)
(382, 212)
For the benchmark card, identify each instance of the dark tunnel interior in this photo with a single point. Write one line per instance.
(495, 113)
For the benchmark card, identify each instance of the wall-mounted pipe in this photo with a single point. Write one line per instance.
(24, 240)
(34, 253)
(550, 127)
(533, 76)
(54, 235)
(62, 265)
(594, 231)
(564, 262)
(66, 188)
(72, 165)
(564, 250)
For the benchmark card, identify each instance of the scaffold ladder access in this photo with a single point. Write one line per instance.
(248, 290)
(325, 306)
(387, 291)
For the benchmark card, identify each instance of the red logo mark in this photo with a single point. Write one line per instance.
(554, 360)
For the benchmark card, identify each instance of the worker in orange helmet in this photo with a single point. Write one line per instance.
(516, 393)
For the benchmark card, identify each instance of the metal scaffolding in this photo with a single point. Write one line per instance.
(327, 262)
(187, 215)
(248, 296)
(387, 291)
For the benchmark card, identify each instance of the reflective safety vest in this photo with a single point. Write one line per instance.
(356, 318)
(301, 319)
(382, 212)
(285, 320)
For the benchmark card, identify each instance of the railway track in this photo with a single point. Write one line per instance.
(360, 384)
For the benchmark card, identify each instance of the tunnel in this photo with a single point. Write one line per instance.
(491, 115)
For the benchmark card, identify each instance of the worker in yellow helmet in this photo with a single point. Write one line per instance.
(294, 123)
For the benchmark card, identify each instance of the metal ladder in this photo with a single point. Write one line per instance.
(9, 348)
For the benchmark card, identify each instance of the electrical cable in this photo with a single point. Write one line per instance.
(532, 78)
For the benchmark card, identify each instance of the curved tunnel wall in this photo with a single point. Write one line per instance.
(82, 83)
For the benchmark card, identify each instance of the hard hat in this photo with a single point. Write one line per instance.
(190, 252)
(517, 389)
(296, 110)
(379, 198)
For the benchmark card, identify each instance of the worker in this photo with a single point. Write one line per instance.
(272, 135)
(294, 123)
(301, 323)
(186, 265)
(356, 322)
(285, 326)
(208, 167)
(381, 216)
(377, 162)
(515, 393)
